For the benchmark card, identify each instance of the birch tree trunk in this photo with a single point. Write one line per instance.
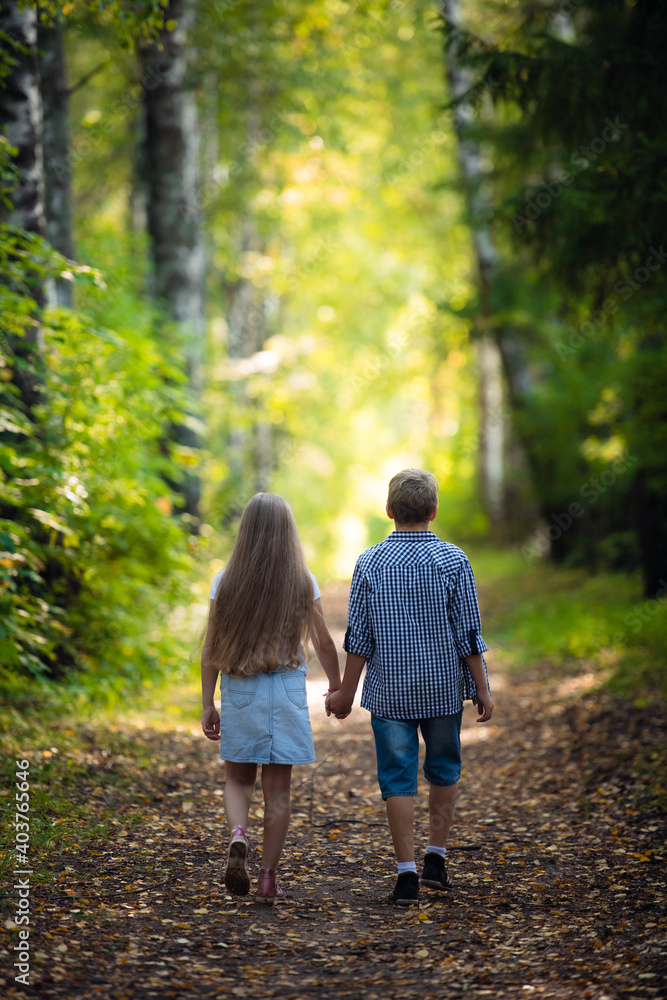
(21, 122)
(248, 447)
(492, 437)
(56, 145)
(492, 431)
(250, 440)
(264, 442)
(172, 203)
(21, 117)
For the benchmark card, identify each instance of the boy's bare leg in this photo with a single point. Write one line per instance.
(276, 781)
(400, 816)
(239, 783)
(441, 803)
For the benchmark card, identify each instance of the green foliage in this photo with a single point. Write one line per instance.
(589, 630)
(76, 791)
(130, 21)
(331, 198)
(325, 202)
(578, 203)
(8, 171)
(10, 51)
(92, 560)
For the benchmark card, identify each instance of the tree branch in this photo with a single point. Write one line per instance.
(87, 77)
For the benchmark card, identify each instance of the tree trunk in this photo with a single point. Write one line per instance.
(21, 117)
(250, 440)
(651, 524)
(264, 454)
(492, 443)
(172, 183)
(246, 320)
(56, 140)
(21, 122)
(492, 431)
(137, 213)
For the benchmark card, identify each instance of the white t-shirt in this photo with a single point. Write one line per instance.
(316, 594)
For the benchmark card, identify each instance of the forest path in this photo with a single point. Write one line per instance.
(559, 885)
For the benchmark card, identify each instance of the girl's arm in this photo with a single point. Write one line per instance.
(325, 646)
(210, 721)
(340, 702)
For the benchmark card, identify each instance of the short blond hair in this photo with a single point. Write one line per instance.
(413, 496)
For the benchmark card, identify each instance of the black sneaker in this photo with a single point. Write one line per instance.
(406, 890)
(435, 874)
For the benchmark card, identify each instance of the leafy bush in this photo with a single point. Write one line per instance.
(568, 622)
(92, 558)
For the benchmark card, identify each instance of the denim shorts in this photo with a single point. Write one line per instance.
(264, 719)
(397, 750)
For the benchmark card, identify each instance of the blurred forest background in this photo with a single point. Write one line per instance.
(298, 245)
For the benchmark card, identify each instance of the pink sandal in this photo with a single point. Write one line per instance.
(268, 887)
(237, 879)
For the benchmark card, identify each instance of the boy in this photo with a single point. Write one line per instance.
(413, 618)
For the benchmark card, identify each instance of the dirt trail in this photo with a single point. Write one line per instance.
(559, 883)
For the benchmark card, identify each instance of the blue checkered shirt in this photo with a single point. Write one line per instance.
(413, 615)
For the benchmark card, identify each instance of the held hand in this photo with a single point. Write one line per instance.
(338, 704)
(210, 723)
(484, 705)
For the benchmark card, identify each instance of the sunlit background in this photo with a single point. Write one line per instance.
(303, 245)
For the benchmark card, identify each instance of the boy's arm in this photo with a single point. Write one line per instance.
(467, 630)
(339, 703)
(325, 647)
(210, 721)
(358, 644)
(484, 700)
(464, 614)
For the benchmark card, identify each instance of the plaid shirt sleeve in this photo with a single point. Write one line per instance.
(464, 614)
(359, 635)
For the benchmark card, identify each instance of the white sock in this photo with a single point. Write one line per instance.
(436, 850)
(406, 866)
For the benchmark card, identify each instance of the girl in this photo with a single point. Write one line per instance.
(263, 606)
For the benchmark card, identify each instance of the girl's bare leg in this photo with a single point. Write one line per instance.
(238, 792)
(276, 781)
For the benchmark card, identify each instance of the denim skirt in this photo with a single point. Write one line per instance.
(264, 719)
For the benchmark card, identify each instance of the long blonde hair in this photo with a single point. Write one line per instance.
(263, 608)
